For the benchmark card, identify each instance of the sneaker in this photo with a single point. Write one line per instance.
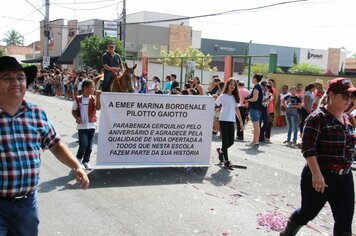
(87, 166)
(252, 144)
(286, 142)
(293, 144)
(81, 164)
(221, 163)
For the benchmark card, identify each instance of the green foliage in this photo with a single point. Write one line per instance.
(2, 52)
(260, 69)
(174, 58)
(305, 68)
(13, 37)
(93, 49)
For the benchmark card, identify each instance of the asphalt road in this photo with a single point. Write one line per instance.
(171, 201)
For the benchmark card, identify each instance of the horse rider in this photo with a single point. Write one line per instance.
(112, 64)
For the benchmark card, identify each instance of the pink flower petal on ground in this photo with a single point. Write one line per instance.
(272, 221)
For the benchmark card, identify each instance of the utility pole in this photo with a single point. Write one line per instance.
(124, 24)
(46, 32)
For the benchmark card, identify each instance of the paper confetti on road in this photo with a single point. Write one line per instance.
(272, 221)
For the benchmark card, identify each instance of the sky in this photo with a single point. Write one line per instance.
(315, 24)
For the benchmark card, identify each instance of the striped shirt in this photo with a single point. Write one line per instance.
(22, 137)
(331, 142)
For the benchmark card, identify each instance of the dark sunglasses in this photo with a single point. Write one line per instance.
(347, 96)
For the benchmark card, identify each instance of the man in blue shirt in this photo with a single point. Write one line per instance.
(25, 130)
(112, 64)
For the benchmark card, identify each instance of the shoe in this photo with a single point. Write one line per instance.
(81, 164)
(286, 142)
(87, 166)
(228, 165)
(252, 144)
(221, 163)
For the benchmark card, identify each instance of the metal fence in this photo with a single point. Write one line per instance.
(185, 69)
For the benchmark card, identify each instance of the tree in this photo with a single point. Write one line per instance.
(93, 48)
(295, 58)
(174, 58)
(349, 54)
(13, 37)
(305, 68)
(260, 69)
(2, 52)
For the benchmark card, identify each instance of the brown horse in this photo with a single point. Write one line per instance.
(120, 83)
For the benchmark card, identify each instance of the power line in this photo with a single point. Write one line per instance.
(35, 7)
(84, 9)
(219, 13)
(78, 3)
(19, 19)
(31, 31)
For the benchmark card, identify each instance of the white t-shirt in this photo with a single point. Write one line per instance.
(281, 98)
(153, 86)
(84, 114)
(228, 107)
(65, 79)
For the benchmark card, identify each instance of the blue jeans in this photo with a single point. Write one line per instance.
(107, 81)
(255, 115)
(292, 124)
(85, 143)
(19, 217)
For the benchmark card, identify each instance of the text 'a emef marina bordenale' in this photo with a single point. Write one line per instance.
(151, 105)
(148, 109)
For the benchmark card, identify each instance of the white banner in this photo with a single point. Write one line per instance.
(154, 130)
(46, 61)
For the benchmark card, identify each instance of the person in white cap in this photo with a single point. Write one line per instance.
(319, 93)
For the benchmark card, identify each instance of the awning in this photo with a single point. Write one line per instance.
(72, 49)
(39, 60)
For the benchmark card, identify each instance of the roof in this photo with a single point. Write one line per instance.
(350, 63)
(39, 60)
(12, 49)
(72, 49)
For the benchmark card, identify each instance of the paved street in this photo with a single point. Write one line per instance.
(172, 201)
